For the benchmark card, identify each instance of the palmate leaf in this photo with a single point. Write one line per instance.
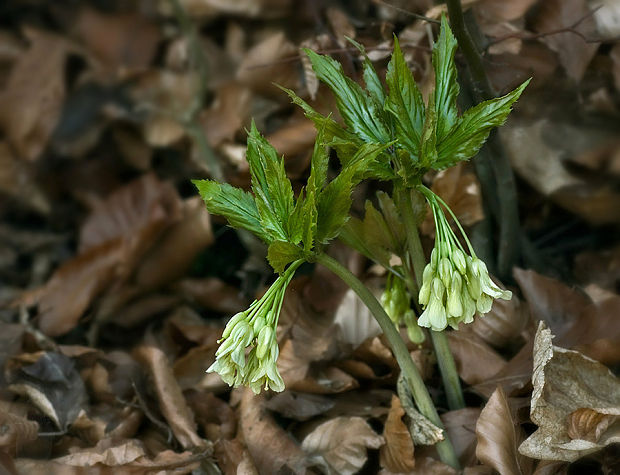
(473, 128)
(282, 253)
(446, 84)
(371, 78)
(236, 205)
(360, 112)
(404, 102)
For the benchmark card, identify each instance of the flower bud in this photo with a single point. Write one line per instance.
(425, 293)
(414, 332)
(454, 307)
(234, 320)
(459, 261)
(484, 303)
(258, 325)
(445, 271)
(264, 341)
(437, 289)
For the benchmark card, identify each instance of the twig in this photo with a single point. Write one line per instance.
(406, 12)
(527, 35)
(190, 119)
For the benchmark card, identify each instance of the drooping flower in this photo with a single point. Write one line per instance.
(396, 302)
(248, 350)
(455, 285)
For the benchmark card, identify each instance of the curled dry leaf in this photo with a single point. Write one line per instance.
(339, 445)
(354, 322)
(17, 181)
(498, 438)
(589, 424)
(171, 401)
(227, 114)
(260, 430)
(233, 458)
(566, 381)
(212, 293)
(422, 430)
(397, 453)
(475, 360)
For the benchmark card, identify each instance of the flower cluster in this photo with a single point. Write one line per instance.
(249, 351)
(396, 303)
(454, 285)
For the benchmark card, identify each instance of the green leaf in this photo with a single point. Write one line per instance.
(352, 234)
(358, 110)
(333, 205)
(404, 102)
(282, 253)
(428, 145)
(446, 84)
(371, 162)
(473, 128)
(343, 141)
(371, 78)
(236, 205)
(272, 188)
(394, 220)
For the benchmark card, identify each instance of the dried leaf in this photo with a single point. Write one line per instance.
(460, 427)
(588, 424)
(260, 430)
(397, 453)
(299, 406)
(30, 104)
(17, 430)
(498, 438)
(354, 322)
(565, 381)
(503, 324)
(228, 113)
(475, 360)
(339, 445)
(422, 430)
(53, 385)
(575, 54)
(233, 458)
(171, 401)
(18, 182)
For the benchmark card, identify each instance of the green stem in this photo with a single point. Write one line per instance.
(410, 371)
(447, 367)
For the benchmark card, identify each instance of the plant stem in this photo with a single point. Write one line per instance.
(410, 371)
(495, 173)
(447, 367)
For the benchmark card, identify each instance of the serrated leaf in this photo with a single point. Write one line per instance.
(236, 205)
(446, 84)
(333, 205)
(371, 78)
(371, 162)
(404, 102)
(282, 253)
(473, 128)
(343, 141)
(359, 112)
(271, 186)
(428, 141)
(376, 231)
(393, 219)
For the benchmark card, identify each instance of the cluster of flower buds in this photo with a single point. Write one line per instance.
(248, 349)
(455, 286)
(396, 303)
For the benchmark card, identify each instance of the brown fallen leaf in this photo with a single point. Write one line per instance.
(574, 53)
(260, 430)
(30, 104)
(233, 458)
(212, 293)
(589, 424)
(503, 324)
(475, 360)
(299, 406)
(565, 381)
(498, 438)
(228, 113)
(460, 426)
(171, 401)
(339, 445)
(52, 383)
(214, 415)
(17, 180)
(174, 253)
(17, 430)
(397, 453)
